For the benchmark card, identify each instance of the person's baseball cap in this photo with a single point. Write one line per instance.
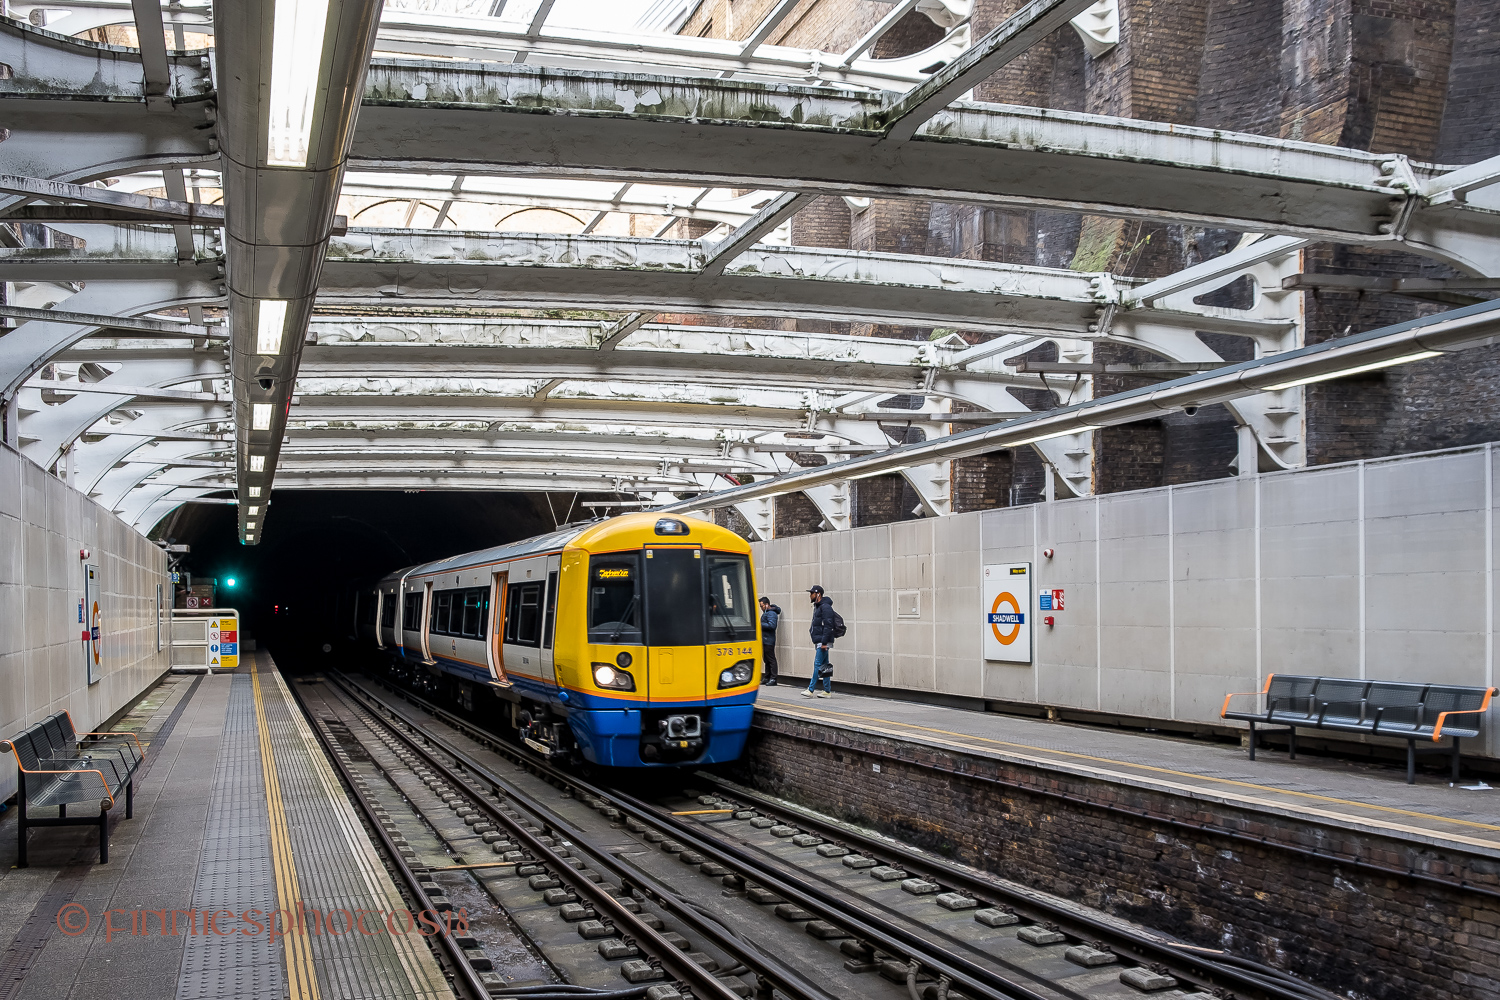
(815, 589)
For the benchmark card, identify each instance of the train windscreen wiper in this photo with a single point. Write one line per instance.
(624, 616)
(734, 634)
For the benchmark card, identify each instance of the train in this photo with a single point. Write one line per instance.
(633, 641)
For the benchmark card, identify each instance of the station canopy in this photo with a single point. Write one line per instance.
(557, 245)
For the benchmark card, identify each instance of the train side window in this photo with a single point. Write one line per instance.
(523, 615)
(614, 599)
(475, 604)
(411, 613)
(512, 618)
(442, 607)
(551, 618)
(388, 611)
(529, 631)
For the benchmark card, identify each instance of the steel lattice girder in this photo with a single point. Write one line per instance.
(487, 118)
(76, 111)
(446, 269)
(449, 36)
(543, 270)
(476, 118)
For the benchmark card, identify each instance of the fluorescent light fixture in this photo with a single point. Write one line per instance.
(249, 525)
(1403, 359)
(257, 463)
(1047, 437)
(254, 491)
(270, 322)
(260, 416)
(252, 511)
(298, 28)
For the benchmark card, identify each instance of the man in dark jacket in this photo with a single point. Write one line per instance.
(821, 631)
(770, 616)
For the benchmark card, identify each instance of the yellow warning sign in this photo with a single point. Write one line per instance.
(224, 643)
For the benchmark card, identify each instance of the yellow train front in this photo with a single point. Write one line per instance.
(631, 642)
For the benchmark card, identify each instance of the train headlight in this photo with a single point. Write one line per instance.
(607, 675)
(738, 674)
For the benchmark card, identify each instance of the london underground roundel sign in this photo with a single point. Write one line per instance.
(1006, 624)
(1007, 612)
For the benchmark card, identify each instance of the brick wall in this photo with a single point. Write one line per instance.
(794, 514)
(1355, 931)
(1409, 76)
(1470, 128)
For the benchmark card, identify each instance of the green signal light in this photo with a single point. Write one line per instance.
(229, 582)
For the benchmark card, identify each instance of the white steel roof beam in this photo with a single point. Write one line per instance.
(784, 137)
(1459, 329)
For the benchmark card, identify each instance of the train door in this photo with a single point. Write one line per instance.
(675, 624)
(495, 648)
(379, 620)
(549, 618)
(427, 623)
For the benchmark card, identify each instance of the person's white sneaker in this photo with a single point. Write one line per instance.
(806, 693)
(822, 694)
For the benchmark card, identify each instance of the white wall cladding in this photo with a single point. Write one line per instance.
(43, 525)
(1177, 596)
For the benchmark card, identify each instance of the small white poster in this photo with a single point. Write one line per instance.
(1007, 612)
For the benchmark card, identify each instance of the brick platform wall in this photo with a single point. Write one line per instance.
(1359, 932)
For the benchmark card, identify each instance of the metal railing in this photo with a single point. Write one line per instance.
(204, 639)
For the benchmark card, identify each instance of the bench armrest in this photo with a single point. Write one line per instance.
(1223, 712)
(140, 749)
(1437, 729)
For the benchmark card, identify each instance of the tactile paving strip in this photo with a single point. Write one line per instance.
(337, 868)
(234, 871)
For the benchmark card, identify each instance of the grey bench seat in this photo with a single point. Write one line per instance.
(60, 767)
(1402, 710)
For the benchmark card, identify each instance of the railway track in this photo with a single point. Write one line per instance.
(618, 865)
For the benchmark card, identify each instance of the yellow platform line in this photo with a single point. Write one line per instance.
(302, 981)
(810, 712)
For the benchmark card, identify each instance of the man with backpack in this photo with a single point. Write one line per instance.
(826, 627)
(770, 616)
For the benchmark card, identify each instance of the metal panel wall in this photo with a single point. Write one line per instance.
(1174, 597)
(43, 525)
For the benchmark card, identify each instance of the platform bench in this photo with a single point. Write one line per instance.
(1412, 712)
(60, 767)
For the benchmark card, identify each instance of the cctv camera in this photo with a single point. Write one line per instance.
(1190, 410)
(266, 384)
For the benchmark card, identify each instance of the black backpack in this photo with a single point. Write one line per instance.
(839, 628)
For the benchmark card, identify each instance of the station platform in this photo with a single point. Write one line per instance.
(1212, 781)
(238, 815)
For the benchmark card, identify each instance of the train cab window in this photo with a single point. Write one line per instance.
(676, 607)
(388, 611)
(523, 614)
(551, 617)
(615, 612)
(411, 613)
(731, 597)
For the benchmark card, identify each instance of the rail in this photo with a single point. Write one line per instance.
(1204, 968)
